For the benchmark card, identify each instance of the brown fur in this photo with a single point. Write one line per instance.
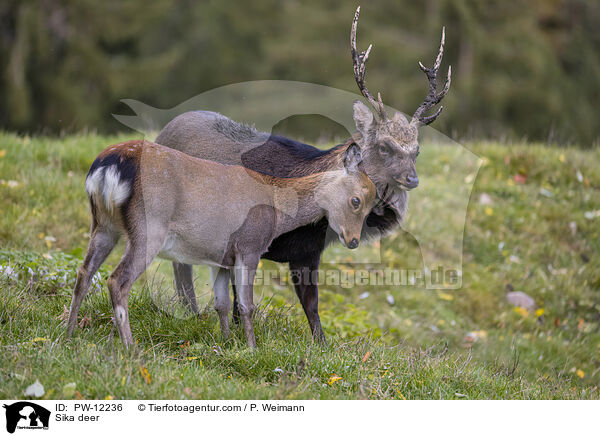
(191, 210)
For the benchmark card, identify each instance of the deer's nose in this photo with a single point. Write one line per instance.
(412, 181)
(352, 244)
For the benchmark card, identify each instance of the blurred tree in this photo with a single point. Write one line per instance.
(522, 68)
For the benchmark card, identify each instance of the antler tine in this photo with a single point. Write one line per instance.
(433, 97)
(360, 68)
(382, 111)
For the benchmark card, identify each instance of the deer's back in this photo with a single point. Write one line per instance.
(212, 136)
(204, 207)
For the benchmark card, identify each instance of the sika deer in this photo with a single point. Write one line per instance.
(389, 145)
(193, 211)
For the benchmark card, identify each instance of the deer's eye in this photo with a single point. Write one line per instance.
(384, 149)
(355, 201)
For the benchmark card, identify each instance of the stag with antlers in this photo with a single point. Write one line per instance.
(389, 147)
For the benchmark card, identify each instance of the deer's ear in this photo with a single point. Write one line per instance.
(363, 117)
(352, 158)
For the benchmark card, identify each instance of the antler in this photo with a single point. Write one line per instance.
(433, 97)
(360, 67)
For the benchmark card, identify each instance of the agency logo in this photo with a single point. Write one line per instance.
(26, 415)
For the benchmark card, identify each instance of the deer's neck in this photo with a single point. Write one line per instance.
(295, 202)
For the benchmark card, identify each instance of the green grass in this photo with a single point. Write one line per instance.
(416, 347)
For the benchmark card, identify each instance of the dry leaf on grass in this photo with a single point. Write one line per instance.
(85, 322)
(64, 316)
(334, 378)
(145, 374)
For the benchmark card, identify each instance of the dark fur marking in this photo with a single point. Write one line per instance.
(127, 166)
(284, 157)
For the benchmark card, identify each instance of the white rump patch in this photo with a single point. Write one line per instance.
(115, 191)
(105, 184)
(93, 183)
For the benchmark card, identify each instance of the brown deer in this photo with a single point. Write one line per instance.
(389, 146)
(194, 211)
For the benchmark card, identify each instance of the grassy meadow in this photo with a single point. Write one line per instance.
(532, 225)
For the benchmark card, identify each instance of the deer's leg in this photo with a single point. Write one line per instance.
(236, 309)
(101, 244)
(220, 280)
(304, 274)
(134, 262)
(184, 284)
(244, 271)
